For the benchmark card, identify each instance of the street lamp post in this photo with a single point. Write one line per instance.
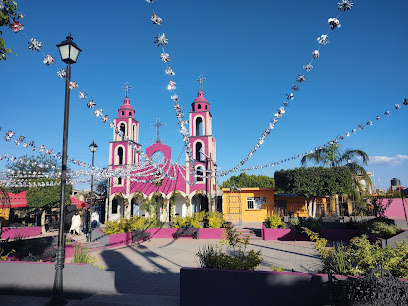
(93, 148)
(69, 52)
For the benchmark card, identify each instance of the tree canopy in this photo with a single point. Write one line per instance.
(314, 182)
(245, 180)
(40, 197)
(333, 156)
(8, 15)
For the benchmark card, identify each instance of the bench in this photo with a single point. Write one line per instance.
(369, 290)
(140, 235)
(186, 231)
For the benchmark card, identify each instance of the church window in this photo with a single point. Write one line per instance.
(119, 181)
(198, 127)
(206, 106)
(198, 148)
(200, 173)
(199, 106)
(120, 155)
(134, 132)
(130, 114)
(122, 128)
(123, 113)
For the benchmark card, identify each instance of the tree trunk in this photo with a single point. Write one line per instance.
(336, 198)
(307, 206)
(43, 231)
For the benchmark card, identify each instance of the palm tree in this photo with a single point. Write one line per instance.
(333, 156)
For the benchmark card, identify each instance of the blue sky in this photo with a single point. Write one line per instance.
(249, 51)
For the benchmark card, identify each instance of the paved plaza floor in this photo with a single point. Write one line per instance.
(153, 267)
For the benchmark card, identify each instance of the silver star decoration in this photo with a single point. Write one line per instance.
(405, 102)
(354, 130)
(111, 124)
(83, 95)
(98, 112)
(344, 5)
(300, 78)
(369, 122)
(397, 106)
(165, 57)
(316, 54)
(289, 96)
(105, 118)
(295, 88)
(35, 45)
(62, 74)
(377, 118)
(308, 67)
(285, 103)
(21, 138)
(149, 1)
(387, 113)
(91, 104)
(361, 127)
(10, 134)
(16, 142)
(334, 23)
(323, 39)
(161, 40)
(175, 97)
(25, 145)
(169, 71)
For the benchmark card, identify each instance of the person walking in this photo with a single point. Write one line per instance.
(75, 228)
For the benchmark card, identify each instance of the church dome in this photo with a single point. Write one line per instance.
(126, 104)
(200, 97)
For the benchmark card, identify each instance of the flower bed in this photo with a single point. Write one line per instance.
(17, 232)
(211, 233)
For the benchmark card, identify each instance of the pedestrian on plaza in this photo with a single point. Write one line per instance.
(76, 224)
(94, 219)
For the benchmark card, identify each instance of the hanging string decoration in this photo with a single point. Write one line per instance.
(316, 54)
(295, 87)
(300, 78)
(48, 60)
(35, 45)
(344, 5)
(165, 57)
(73, 85)
(91, 104)
(172, 85)
(323, 39)
(161, 40)
(169, 71)
(16, 26)
(156, 19)
(105, 118)
(308, 67)
(62, 74)
(405, 102)
(82, 95)
(334, 23)
(397, 106)
(98, 112)
(175, 98)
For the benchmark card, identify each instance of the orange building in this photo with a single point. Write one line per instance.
(255, 204)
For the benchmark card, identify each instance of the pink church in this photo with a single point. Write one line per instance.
(126, 195)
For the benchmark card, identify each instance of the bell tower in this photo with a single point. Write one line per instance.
(203, 143)
(125, 136)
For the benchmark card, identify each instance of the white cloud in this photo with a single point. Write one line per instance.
(387, 161)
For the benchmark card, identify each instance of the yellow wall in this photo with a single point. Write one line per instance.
(4, 216)
(252, 215)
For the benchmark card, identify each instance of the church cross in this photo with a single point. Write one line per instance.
(126, 89)
(201, 80)
(158, 125)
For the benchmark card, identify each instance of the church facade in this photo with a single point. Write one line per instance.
(129, 196)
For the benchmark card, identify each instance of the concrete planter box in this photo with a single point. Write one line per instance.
(37, 278)
(339, 234)
(211, 233)
(283, 234)
(235, 287)
(16, 232)
(120, 240)
(162, 232)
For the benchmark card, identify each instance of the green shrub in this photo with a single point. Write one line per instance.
(311, 223)
(294, 223)
(216, 220)
(276, 268)
(274, 221)
(124, 225)
(5, 256)
(194, 221)
(214, 257)
(360, 256)
(82, 255)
